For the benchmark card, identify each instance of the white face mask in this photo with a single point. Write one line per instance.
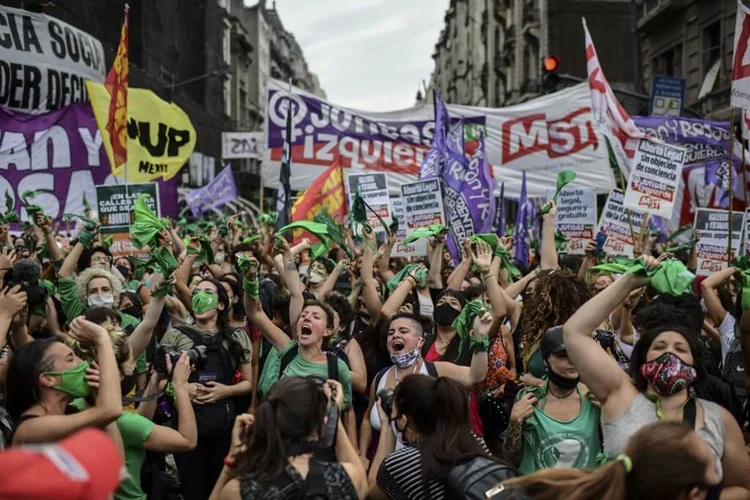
(219, 258)
(316, 277)
(425, 306)
(105, 299)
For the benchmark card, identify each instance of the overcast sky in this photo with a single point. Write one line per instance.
(369, 54)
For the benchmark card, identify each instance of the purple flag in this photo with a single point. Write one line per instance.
(656, 224)
(60, 153)
(218, 192)
(500, 212)
(717, 174)
(522, 246)
(469, 194)
(433, 161)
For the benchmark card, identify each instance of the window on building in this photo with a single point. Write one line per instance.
(227, 46)
(710, 46)
(228, 95)
(669, 62)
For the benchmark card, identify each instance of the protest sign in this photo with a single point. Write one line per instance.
(122, 246)
(576, 217)
(241, 145)
(423, 205)
(712, 247)
(60, 154)
(654, 178)
(374, 190)
(160, 134)
(541, 136)
(115, 205)
(415, 248)
(45, 62)
(219, 191)
(615, 224)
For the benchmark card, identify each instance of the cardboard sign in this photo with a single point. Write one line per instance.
(654, 178)
(615, 224)
(415, 248)
(713, 226)
(576, 217)
(423, 205)
(374, 190)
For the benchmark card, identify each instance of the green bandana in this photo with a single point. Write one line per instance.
(426, 232)
(147, 225)
(10, 214)
(250, 239)
(465, 321)
(335, 234)
(31, 208)
(267, 219)
(421, 276)
(608, 268)
(563, 179)
(163, 262)
(505, 263)
(205, 253)
(671, 277)
(742, 264)
(490, 239)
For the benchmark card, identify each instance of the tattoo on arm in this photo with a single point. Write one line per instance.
(291, 266)
(513, 445)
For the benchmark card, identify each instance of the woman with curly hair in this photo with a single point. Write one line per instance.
(556, 297)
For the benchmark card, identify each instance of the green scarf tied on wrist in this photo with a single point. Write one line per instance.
(243, 263)
(163, 262)
(742, 264)
(563, 179)
(86, 236)
(465, 321)
(205, 253)
(147, 225)
(139, 267)
(431, 231)
(31, 209)
(671, 277)
(10, 214)
(421, 275)
(505, 263)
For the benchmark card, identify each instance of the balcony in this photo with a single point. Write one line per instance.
(531, 20)
(715, 106)
(654, 14)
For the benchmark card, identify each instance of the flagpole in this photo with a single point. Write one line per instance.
(127, 194)
(731, 181)
(261, 192)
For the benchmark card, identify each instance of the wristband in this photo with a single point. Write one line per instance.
(228, 462)
(251, 287)
(628, 305)
(479, 344)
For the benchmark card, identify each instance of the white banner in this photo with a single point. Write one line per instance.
(541, 137)
(655, 178)
(616, 222)
(576, 217)
(423, 205)
(741, 65)
(712, 247)
(415, 248)
(242, 145)
(374, 190)
(45, 62)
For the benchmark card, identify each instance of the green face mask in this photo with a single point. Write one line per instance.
(203, 301)
(73, 381)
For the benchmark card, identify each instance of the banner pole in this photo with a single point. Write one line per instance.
(627, 212)
(731, 180)
(260, 194)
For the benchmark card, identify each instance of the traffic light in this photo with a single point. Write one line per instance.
(550, 78)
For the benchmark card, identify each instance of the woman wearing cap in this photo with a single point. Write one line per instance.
(662, 461)
(45, 376)
(665, 364)
(555, 424)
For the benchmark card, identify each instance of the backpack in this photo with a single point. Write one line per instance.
(333, 362)
(430, 367)
(478, 479)
(733, 370)
(216, 418)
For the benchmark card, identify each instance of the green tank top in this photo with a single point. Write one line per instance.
(549, 443)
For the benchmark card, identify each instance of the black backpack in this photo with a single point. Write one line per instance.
(479, 479)
(217, 418)
(333, 362)
(733, 370)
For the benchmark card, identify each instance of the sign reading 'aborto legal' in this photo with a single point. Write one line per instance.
(44, 62)
(655, 177)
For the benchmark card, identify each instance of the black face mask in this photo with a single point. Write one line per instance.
(445, 315)
(566, 384)
(133, 311)
(124, 271)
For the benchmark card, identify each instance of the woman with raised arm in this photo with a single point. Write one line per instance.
(664, 364)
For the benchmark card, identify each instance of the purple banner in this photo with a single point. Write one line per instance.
(218, 192)
(431, 166)
(522, 246)
(704, 140)
(60, 154)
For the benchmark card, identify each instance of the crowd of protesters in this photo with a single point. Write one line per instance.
(235, 363)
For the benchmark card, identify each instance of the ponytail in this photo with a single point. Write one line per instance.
(268, 457)
(605, 483)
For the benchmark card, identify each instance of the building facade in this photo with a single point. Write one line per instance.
(490, 51)
(694, 40)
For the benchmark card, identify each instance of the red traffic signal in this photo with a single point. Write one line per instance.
(550, 64)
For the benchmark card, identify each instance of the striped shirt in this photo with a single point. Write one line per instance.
(400, 476)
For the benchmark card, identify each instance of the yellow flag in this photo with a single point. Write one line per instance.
(160, 135)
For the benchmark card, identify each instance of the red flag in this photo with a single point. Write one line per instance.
(327, 190)
(117, 85)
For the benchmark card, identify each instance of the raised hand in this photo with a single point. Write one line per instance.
(482, 256)
(12, 301)
(482, 324)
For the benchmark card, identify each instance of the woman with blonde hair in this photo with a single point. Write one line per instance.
(662, 461)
